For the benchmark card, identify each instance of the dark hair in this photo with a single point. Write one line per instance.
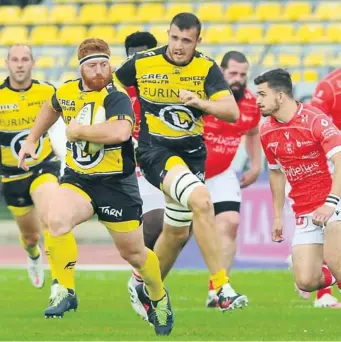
(235, 56)
(140, 39)
(277, 79)
(185, 21)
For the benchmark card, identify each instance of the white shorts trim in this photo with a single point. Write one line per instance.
(152, 197)
(224, 187)
(307, 233)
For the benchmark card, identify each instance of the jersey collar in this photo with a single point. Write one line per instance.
(164, 54)
(8, 85)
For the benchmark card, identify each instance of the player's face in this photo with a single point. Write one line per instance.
(182, 44)
(236, 77)
(267, 100)
(20, 63)
(96, 74)
(135, 49)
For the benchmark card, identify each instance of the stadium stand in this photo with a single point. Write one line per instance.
(302, 36)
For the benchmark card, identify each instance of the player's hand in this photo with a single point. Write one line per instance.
(190, 99)
(322, 215)
(28, 149)
(249, 177)
(277, 230)
(72, 131)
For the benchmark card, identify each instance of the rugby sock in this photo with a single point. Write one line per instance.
(32, 251)
(339, 285)
(64, 253)
(151, 275)
(136, 277)
(47, 252)
(219, 279)
(321, 292)
(210, 285)
(329, 279)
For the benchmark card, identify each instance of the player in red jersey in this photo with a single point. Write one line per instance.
(327, 96)
(298, 139)
(222, 140)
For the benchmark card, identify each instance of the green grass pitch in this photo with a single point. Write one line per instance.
(275, 312)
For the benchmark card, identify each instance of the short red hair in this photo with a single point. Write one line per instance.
(93, 45)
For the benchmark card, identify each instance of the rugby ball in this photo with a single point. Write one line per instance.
(87, 116)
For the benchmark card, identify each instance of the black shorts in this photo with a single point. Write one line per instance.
(153, 162)
(115, 200)
(222, 207)
(17, 193)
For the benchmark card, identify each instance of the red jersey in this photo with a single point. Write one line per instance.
(222, 139)
(137, 110)
(301, 148)
(327, 96)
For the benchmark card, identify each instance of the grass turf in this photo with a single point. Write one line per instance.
(275, 312)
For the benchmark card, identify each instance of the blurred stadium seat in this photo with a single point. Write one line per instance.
(10, 15)
(60, 14)
(268, 32)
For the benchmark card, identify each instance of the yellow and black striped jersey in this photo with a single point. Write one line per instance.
(69, 99)
(18, 111)
(158, 80)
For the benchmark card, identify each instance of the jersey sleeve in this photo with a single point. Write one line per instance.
(323, 98)
(269, 154)
(125, 75)
(215, 84)
(54, 103)
(327, 134)
(118, 106)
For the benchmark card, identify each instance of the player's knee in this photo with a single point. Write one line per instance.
(200, 201)
(58, 224)
(30, 238)
(177, 236)
(228, 224)
(306, 282)
(177, 216)
(44, 221)
(183, 186)
(133, 256)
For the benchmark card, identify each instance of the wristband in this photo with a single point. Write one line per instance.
(332, 200)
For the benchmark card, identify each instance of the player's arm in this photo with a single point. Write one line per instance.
(323, 98)
(330, 139)
(336, 185)
(253, 149)
(125, 75)
(277, 184)
(48, 115)
(58, 138)
(327, 134)
(277, 181)
(116, 130)
(220, 103)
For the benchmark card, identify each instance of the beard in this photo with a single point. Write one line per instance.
(238, 93)
(272, 111)
(97, 82)
(22, 78)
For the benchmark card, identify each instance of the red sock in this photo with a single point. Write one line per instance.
(329, 279)
(339, 285)
(210, 286)
(322, 292)
(137, 276)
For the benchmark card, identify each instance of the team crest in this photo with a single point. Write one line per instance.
(289, 147)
